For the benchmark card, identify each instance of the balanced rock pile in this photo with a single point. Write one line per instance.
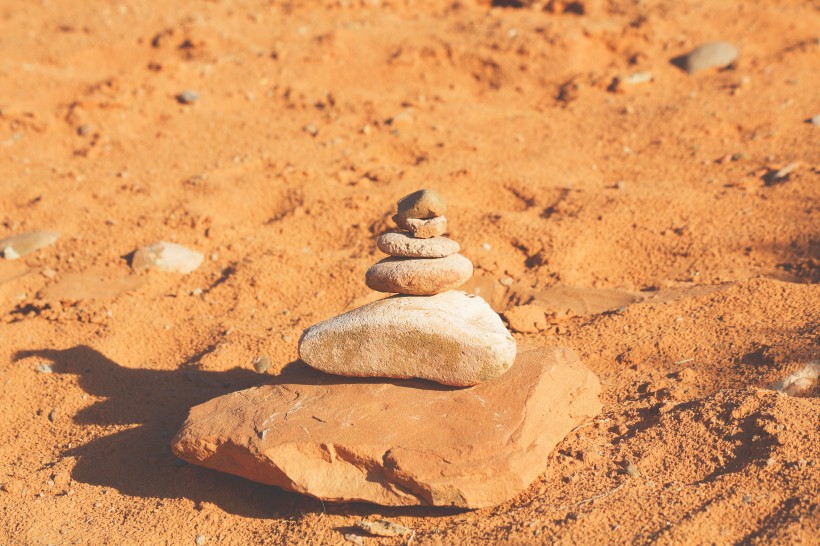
(402, 442)
(446, 336)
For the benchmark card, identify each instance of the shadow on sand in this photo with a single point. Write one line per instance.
(137, 460)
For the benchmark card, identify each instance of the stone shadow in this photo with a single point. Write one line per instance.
(137, 460)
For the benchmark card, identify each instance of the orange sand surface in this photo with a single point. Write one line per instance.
(645, 219)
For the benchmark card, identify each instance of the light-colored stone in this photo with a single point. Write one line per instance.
(710, 55)
(419, 276)
(17, 246)
(450, 338)
(404, 244)
(396, 444)
(167, 257)
(421, 204)
(422, 229)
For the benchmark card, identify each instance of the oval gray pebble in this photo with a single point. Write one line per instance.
(404, 244)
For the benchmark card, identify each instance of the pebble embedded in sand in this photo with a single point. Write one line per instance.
(17, 246)
(187, 97)
(422, 228)
(404, 244)
(169, 257)
(419, 276)
(710, 55)
(421, 204)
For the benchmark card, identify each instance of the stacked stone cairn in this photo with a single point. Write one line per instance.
(429, 330)
(403, 443)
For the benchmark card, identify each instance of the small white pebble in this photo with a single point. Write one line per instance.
(506, 281)
(200, 540)
(486, 246)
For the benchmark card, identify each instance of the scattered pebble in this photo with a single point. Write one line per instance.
(355, 539)
(800, 381)
(262, 364)
(311, 129)
(621, 83)
(506, 281)
(17, 246)
(84, 129)
(632, 470)
(780, 175)
(383, 528)
(747, 499)
(43, 368)
(52, 415)
(199, 540)
(169, 257)
(814, 120)
(486, 246)
(196, 292)
(710, 55)
(188, 97)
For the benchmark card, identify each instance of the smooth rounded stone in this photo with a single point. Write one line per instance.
(188, 97)
(169, 257)
(396, 444)
(422, 228)
(419, 276)
(451, 338)
(710, 55)
(404, 244)
(17, 246)
(422, 204)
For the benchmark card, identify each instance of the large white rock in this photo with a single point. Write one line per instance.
(452, 338)
(167, 257)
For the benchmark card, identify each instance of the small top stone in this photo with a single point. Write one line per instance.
(422, 204)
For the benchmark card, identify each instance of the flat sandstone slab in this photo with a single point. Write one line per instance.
(451, 338)
(396, 444)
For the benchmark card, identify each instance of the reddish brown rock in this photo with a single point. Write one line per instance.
(397, 444)
(526, 319)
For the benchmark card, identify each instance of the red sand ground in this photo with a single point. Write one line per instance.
(658, 190)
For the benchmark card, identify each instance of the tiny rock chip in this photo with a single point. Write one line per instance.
(421, 204)
(419, 276)
(709, 55)
(169, 257)
(451, 338)
(262, 364)
(187, 97)
(383, 528)
(401, 444)
(17, 246)
(404, 244)
(354, 539)
(422, 228)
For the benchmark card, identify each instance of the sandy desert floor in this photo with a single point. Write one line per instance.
(680, 269)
